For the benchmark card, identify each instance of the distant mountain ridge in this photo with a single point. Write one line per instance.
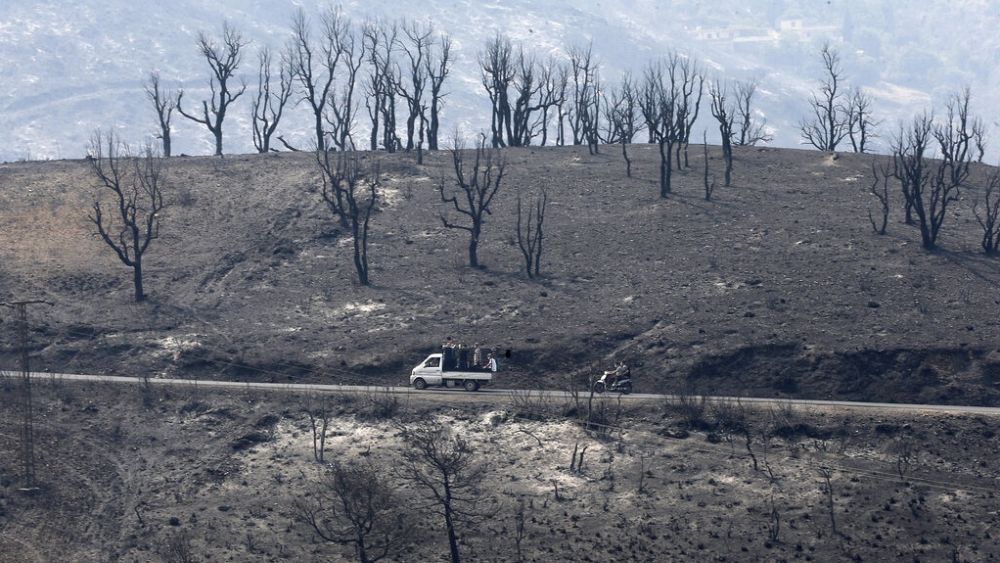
(67, 68)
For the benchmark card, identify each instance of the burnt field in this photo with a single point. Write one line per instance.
(775, 287)
(135, 473)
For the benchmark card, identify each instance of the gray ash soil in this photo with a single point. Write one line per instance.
(129, 473)
(776, 287)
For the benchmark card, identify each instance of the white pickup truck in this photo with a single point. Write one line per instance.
(431, 372)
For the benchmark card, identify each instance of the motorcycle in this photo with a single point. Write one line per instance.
(622, 384)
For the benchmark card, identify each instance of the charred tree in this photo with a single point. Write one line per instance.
(341, 107)
(929, 189)
(659, 107)
(955, 143)
(621, 118)
(223, 60)
(445, 468)
(585, 110)
(860, 124)
(708, 179)
(990, 219)
(979, 135)
(350, 191)
(530, 234)
(527, 100)
(910, 167)
(496, 63)
(438, 65)
(416, 47)
(725, 113)
(691, 86)
(355, 505)
(136, 185)
(879, 189)
(476, 189)
(561, 85)
(164, 102)
(553, 78)
(829, 123)
(750, 130)
(381, 84)
(317, 63)
(271, 98)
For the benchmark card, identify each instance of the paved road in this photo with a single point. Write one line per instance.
(495, 395)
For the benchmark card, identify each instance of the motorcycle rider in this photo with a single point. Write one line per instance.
(620, 372)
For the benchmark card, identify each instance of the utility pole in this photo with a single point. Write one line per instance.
(26, 403)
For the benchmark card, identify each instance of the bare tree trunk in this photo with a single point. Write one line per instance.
(136, 182)
(140, 294)
(477, 187)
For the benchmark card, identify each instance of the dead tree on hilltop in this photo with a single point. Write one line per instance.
(554, 79)
(621, 118)
(355, 505)
(497, 70)
(691, 81)
(879, 188)
(437, 64)
(725, 113)
(659, 109)
(476, 188)
(137, 185)
(586, 107)
(350, 191)
(164, 102)
(990, 222)
(446, 469)
(709, 181)
(519, 89)
(860, 124)
(750, 130)
(979, 134)
(955, 137)
(528, 240)
(909, 165)
(270, 103)
(829, 124)
(316, 65)
(380, 87)
(561, 84)
(223, 60)
(416, 48)
(527, 89)
(930, 193)
(341, 107)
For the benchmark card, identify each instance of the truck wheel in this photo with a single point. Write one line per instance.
(419, 383)
(471, 385)
(599, 387)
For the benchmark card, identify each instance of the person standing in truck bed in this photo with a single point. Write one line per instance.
(477, 356)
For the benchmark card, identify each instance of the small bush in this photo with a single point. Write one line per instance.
(380, 405)
(692, 411)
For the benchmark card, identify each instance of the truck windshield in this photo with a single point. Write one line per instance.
(432, 363)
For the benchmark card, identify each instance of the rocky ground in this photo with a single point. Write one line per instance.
(775, 287)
